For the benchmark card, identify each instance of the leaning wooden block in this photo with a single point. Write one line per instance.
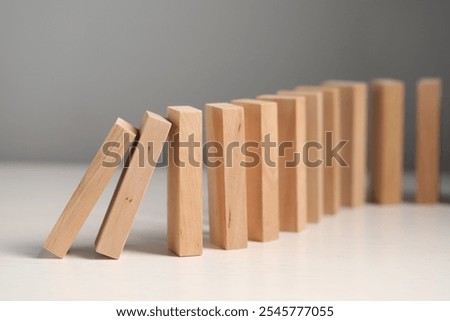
(132, 185)
(354, 130)
(225, 131)
(93, 183)
(184, 185)
(387, 127)
(428, 140)
(291, 171)
(261, 129)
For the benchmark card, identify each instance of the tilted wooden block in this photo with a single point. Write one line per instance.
(353, 97)
(132, 186)
(93, 183)
(184, 185)
(387, 132)
(261, 128)
(225, 128)
(291, 171)
(428, 140)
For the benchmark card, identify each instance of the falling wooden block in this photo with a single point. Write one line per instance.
(262, 177)
(225, 129)
(93, 183)
(291, 171)
(132, 186)
(353, 96)
(428, 140)
(387, 127)
(314, 151)
(184, 185)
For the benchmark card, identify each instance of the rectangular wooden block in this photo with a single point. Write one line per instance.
(387, 132)
(428, 139)
(314, 151)
(291, 171)
(92, 185)
(261, 126)
(353, 97)
(132, 186)
(184, 185)
(225, 129)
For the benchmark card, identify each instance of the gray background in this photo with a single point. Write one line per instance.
(68, 69)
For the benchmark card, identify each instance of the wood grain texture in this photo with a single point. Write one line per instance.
(291, 171)
(262, 178)
(184, 184)
(387, 133)
(132, 186)
(353, 96)
(227, 199)
(428, 117)
(92, 185)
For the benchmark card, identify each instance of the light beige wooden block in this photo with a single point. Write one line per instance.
(132, 186)
(184, 185)
(313, 151)
(291, 171)
(428, 139)
(262, 177)
(353, 97)
(387, 132)
(225, 125)
(93, 183)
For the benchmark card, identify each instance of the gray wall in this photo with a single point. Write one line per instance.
(69, 68)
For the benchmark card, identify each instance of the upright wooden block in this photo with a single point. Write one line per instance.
(291, 171)
(261, 123)
(184, 185)
(428, 140)
(314, 158)
(225, 128)
(353, 97)
(387, 132)
(132, 186)
(93, 183)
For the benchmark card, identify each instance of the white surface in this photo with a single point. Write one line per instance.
(370, 253)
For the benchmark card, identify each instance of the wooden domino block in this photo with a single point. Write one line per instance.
(353, 96)
(428, 140)
(291, 171)
(262, 178)
(225, 128)
(132, 186)
(184, 185)
(387, 132)
(93, 183)
(314, 158)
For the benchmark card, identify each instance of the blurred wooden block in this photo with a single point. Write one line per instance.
(92, 185)
(314, 150)
(184, 185)
(428, 140)
(353, 97)
(291, 171)
(132, 186)
(225, 126)
(262, 177)
(387, 132)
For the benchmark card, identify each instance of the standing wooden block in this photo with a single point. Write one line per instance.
(262, 178)
(184, 185)
(314, 149)
(428, 140)
(225, 128)
(291, 171)
(93, 183)
(354, 130)
(132, 186)
(387, 127)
